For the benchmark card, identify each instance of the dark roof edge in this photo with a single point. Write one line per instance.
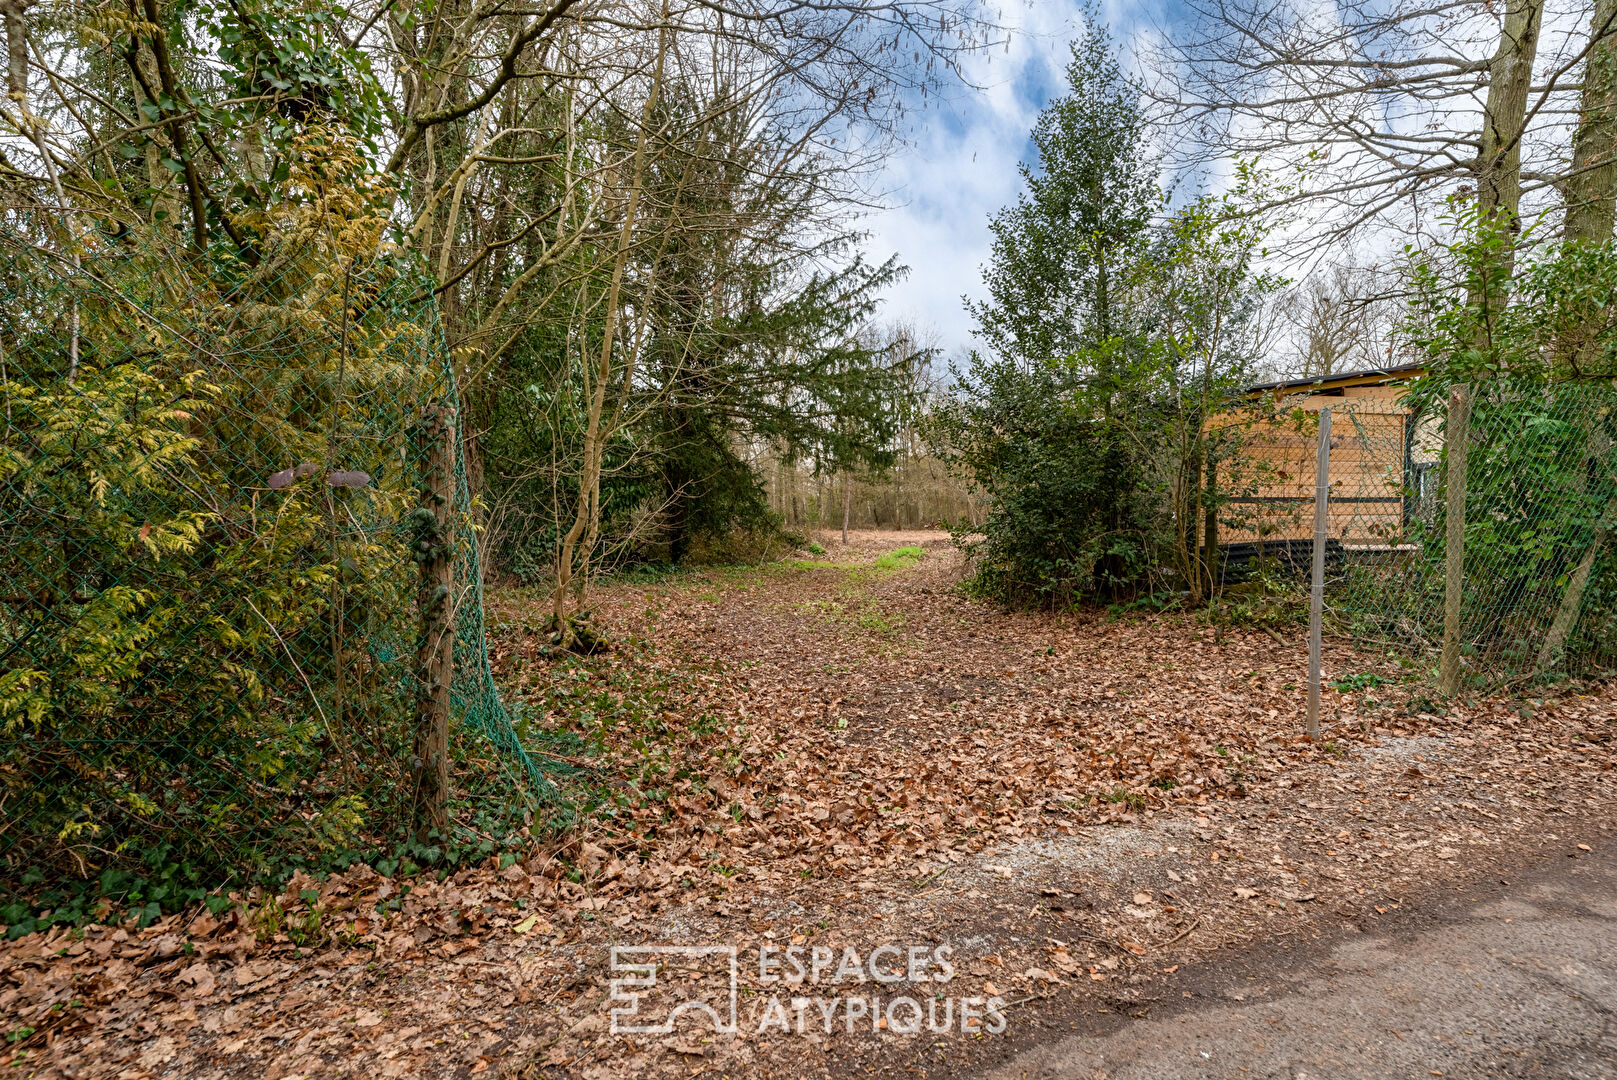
(1341, 376)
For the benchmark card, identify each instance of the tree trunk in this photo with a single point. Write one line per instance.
(1499, 172)
(1591, 208)
(676, 487)
(595, 433)
(1591, 190)
(1210, 528)
(1455, 435)
(847, 505)
(1190, 524)
(435, 648)
(1566, 616)
(16, 54)
(1499, 193)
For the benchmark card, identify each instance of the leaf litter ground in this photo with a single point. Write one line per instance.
(844, 753)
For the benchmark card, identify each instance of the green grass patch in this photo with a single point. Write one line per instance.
(899, 559)
(877, 621)
(859, 612)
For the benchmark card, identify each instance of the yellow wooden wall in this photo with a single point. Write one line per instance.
(1273, 477)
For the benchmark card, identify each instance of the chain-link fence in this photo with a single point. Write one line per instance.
(1539, 577)
(207, 603)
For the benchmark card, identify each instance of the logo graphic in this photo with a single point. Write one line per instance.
(638, 966)
(817, 987)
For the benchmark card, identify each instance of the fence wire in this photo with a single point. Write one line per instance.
(207, 595)
(1539, 575)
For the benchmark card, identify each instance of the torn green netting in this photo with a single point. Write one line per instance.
(207, 621)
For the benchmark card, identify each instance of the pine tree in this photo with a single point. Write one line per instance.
(1062, 252)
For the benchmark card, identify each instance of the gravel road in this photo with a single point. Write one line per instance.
(1519, 983)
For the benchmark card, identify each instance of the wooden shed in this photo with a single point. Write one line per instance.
(1382, 470)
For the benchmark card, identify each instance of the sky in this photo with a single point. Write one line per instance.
(959, 166)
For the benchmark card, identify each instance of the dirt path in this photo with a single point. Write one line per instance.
(1074, 816)
(1496, 981)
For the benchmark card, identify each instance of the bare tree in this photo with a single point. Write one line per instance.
(1338, 319)
(1372, 109)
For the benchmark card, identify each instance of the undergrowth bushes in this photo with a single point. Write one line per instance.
(208, 611)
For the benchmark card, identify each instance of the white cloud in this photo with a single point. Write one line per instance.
(960, 166)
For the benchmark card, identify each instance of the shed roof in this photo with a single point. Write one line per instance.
(1369, 376)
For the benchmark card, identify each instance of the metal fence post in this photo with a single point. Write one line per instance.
(1316, 598)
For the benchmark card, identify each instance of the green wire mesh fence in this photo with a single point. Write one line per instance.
(207, 601)
(1540, 579)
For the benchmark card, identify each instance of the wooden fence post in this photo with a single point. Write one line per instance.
(1316, 592)
(435, 647)
(1455, 437)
